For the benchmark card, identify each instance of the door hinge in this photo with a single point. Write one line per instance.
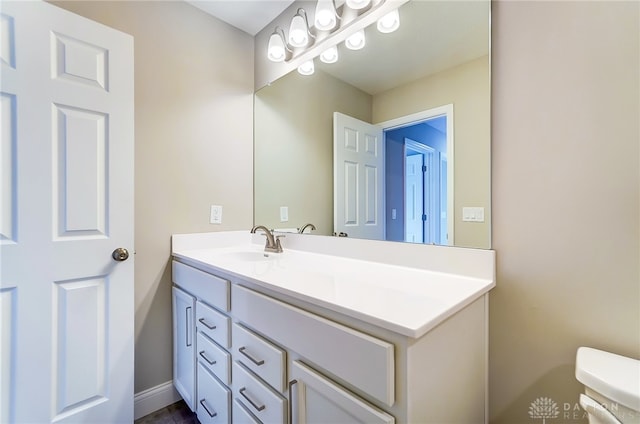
(424, 168)
(424, 217)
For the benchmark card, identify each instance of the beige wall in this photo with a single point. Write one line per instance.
(294, 147)
(566, 184)
(467, 88)
(193, 135)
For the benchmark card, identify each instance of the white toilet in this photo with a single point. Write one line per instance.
(612, 386)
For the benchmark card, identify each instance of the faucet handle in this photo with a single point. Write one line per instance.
(278, 244)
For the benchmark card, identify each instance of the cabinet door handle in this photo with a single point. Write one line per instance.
(204, 405)
(255, 405)
(188, 330)
(290, 390)
(203, 322)
(251, 358)
(201, 353)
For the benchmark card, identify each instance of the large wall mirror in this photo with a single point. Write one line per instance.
(426, 87)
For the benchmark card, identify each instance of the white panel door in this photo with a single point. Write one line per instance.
(358, 178)
(66, 157)
(414, 199)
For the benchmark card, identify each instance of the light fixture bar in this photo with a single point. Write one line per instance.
(294, 57)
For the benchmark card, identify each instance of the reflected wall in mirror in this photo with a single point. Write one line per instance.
(438, 57)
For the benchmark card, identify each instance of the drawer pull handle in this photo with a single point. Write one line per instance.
(258, 407)
(203, 322)
(291, 384)
(201, 353)
(189, 324)
(251, 358)
(204, 405)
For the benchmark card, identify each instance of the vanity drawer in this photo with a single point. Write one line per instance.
(364, 361)
(262, 401)
(214, 358)
(241, 414)
(213, 323)
(260, 356)
(214, 399)
(202, 284)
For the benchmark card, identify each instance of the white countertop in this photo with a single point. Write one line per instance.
(403, 299)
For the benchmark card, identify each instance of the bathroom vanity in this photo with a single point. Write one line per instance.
(330, 331)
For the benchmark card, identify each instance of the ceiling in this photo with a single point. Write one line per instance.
(248, 15)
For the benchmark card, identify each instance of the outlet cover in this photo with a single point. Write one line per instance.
(284, 213)
(215, 215)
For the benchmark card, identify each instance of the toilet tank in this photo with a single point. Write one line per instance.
(613, 376)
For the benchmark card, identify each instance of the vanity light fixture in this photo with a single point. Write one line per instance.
(330, 55)
(326, 15)
(302, 37)
(299, 34)
(307, 68)
(358, 4)
(389, 22)
(278, 49)
(356, 41)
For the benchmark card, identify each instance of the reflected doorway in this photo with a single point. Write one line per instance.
(419, 178)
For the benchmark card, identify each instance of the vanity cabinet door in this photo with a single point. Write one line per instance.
(214, 399)
(184, 345)
(316, 400)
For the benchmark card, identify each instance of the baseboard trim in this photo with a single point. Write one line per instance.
(155, 398)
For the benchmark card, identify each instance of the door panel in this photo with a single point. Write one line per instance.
(358, 165)
(7, 167)
(80, 187)
(79, 345)
(414, 230)
(66, 152)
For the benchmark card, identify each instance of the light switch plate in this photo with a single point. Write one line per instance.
(473, 214)
(284, 213)
(215, 215)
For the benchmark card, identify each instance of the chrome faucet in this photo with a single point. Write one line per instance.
(273, 243)
(305, 226)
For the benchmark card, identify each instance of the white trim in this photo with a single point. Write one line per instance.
(150, 400)
(404, 121)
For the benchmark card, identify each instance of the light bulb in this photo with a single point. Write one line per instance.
(276, 51)
(298, 32)
(389, 22)
(307, 68)
(356, 41)
(330, 55)
(358, 4)
(325, 15)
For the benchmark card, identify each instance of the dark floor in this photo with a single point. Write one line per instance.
(177, 413)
